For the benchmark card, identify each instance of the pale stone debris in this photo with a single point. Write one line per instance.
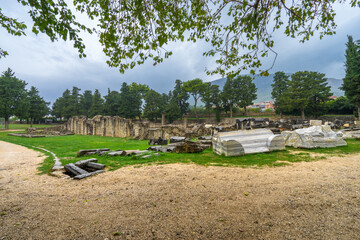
(242, 142)
(315, 122)
(350, 134)
(314, 137)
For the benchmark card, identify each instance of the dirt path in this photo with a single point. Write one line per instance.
(309, 200)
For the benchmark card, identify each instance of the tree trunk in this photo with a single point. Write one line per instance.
(280, 115)
(231, 113)
(6, 123)
(245, 109)
(359, 112)
(302, 114)
(31, 122)
(197, 118)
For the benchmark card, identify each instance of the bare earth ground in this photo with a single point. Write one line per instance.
(309, 200)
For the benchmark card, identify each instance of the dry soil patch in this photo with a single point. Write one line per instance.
(308, 200)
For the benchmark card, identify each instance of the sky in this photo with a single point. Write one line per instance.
(53, 67)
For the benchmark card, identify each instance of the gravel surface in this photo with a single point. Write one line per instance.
(308, 200)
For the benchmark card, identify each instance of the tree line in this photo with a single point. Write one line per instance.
(15, 100)
(307, 93)
(302, 93)
(140, 101)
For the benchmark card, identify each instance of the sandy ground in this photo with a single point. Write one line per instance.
(309, 200)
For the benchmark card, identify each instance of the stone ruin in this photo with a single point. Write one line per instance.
(314, 137)
(243, 142)
(43, 132)
(121, 127)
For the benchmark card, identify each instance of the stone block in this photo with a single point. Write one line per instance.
(73, 170)
(242, 142)
(83, 163)
(315, 122)
(314, 137)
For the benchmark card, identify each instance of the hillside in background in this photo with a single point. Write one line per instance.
(263, 85)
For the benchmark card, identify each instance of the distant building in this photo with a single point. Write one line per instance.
(333, 97)
(263, 105)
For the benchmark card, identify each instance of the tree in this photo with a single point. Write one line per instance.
(341, 105)
(211, 97)
(194, 88)
(351, 84)
(172, 109)
(246, 90)
(154, 105)
(38, 106)
(229, 95)
(12, 95)
(240, 91)
(307, 91)
(74, 107)
(180, 97)
(86, 102)
(112, 103)
(279, 87)
(97, 105)
(239, 33)
(61, 107)
(130, 102)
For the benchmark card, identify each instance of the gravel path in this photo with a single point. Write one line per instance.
(308, 200)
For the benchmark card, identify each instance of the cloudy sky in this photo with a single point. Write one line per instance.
(54, 66)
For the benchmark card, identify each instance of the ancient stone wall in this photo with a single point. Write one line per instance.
(121, 127)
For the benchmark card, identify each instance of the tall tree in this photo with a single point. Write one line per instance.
(139, 91)
(62, 105)
(75, 107)
(210, 96)
(240, 91)
(172, 109)
(194, 88)
(351, 84)
(112, 103)
(12, 95)
(181, 97)
(38, 106)
(246, 90)
(130, 102)
(154, 105)
(97, 105)
(279, 86)
(307, 91)
(86, 102)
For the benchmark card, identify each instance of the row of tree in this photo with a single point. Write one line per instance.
(303, 92)
(138, 100)
(15, 100)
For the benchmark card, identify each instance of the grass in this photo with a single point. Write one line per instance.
(66, 147)
(24, 126)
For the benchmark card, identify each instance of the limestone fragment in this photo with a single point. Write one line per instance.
(314, 137)
(242, 142)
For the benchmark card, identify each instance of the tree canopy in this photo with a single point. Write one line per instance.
(351, 84)
(12, 95)
(239, 33)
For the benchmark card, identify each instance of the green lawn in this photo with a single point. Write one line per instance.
(66, 147)
(24, 126)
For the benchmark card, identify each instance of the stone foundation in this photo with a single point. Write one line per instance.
(121, 127)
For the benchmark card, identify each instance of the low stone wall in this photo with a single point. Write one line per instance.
(121, 127)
